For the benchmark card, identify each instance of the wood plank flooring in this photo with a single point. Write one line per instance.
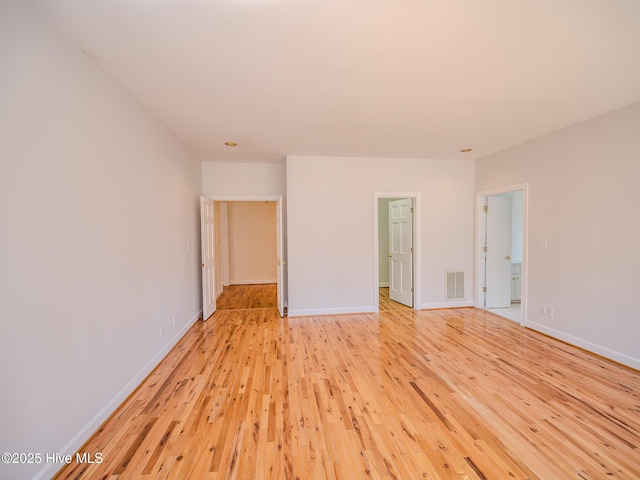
(238, 297)
(444, 394)
(386, 304)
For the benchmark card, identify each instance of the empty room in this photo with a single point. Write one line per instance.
(319, 239)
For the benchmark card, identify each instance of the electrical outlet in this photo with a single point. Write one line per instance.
(543, 309)
(549, 311)
(161, 330)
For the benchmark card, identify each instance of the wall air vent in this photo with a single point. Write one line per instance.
(455, 285)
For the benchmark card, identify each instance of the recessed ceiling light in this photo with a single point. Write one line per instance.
(465, 150)
(230, 144)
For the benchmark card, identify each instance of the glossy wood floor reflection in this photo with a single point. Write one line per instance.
(239, 297)
(386, 304)
(445, 394)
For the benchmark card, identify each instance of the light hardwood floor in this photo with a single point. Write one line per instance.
(239, 297)
(444, 394)
(386, 304)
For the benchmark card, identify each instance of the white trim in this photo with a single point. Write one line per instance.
(329, 311)
(384, 284)
(452, 304)
(479, 243)
(590, 347)
(417, 230)
(253, 282)
(98, 419)
(245, 198)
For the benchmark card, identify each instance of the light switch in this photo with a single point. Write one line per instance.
(542, 242)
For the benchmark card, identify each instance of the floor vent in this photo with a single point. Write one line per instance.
(455, 285)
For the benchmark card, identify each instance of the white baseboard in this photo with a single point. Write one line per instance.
(98, 419)
(329, 311)
(384, 285)
(253, 282)
(452, 304)
(592, 347)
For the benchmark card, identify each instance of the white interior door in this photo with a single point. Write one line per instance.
(401, 251)
(281, 263)
(208, 264)
(498, 252)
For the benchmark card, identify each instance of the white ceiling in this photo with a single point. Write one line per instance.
(382, 78)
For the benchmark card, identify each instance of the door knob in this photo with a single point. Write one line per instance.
(389, 255)
(202, 265)
(508, 257)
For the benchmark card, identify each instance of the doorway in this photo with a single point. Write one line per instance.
(396, 252)
(246, 255)
(501, 252)
(248, 265)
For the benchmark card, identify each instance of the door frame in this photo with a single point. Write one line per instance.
(417, 274)
(479, 244)
(282, 233)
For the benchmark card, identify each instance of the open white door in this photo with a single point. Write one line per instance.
(280, 255)
(498, 252)
(208, 257)
(401, 251)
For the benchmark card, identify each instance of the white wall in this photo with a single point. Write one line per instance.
(584, 198)
(243, 178)
(252, 242)
(331, 235)
(97, 205)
